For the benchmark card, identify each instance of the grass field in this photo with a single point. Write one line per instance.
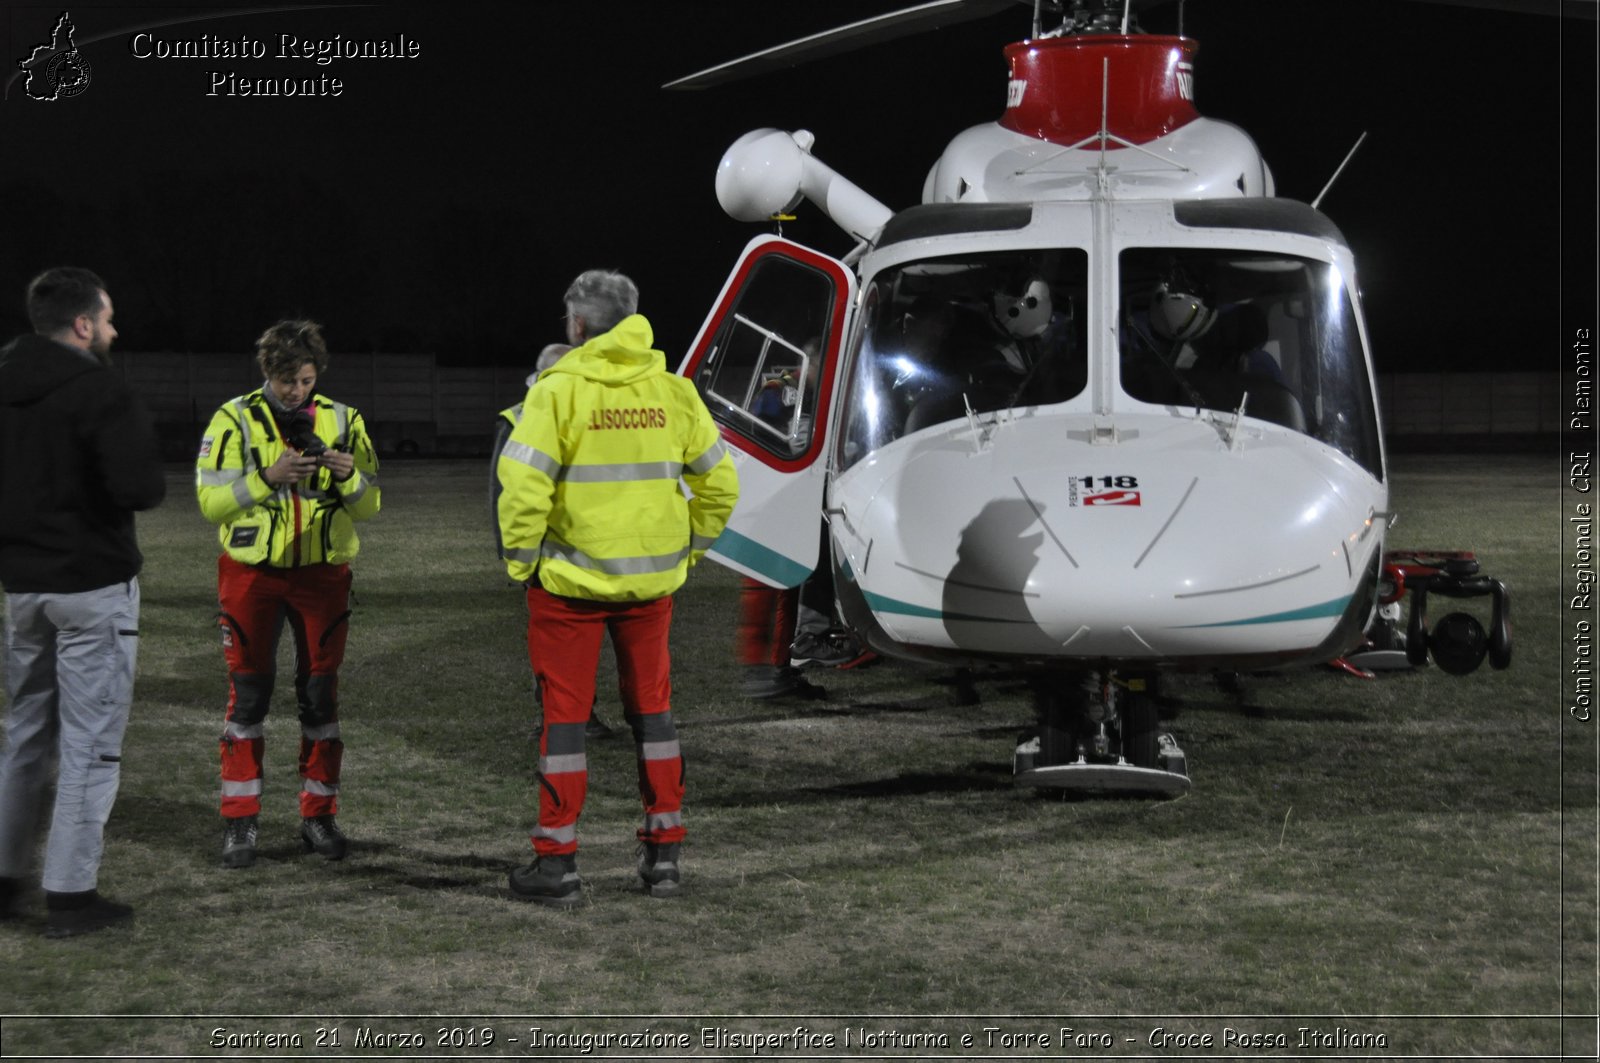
(1411, 858)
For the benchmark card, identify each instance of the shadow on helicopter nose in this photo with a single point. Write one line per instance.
(986, 600)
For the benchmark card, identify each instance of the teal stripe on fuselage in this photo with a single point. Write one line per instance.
(880, 604)
(1336, 607)
(763, 559)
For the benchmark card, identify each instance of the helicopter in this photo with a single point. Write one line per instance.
(1099, 408)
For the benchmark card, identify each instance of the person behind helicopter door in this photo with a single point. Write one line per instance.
(505, 423)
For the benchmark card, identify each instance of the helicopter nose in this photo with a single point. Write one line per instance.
(1171, 554)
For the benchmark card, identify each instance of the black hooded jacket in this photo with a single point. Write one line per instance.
(78, 455)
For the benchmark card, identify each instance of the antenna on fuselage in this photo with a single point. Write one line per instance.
(1348, 156)
(1105, 114)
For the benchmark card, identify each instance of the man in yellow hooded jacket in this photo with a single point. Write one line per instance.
(594, 521)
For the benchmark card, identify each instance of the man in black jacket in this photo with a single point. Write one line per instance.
(78, 455)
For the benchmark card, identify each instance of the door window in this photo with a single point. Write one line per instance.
(762, 374)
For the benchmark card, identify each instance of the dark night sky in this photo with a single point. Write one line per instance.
(441, 203)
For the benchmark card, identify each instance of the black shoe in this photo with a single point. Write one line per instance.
(772, 684)
(321, 834)
(834, 648)
(239, 841)
(70, 914)
(10, 891)
(658, 868)
(551, 880)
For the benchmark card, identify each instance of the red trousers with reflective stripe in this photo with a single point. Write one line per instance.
(564, 637)
(254, 603)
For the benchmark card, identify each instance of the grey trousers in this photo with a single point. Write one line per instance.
(69, 676)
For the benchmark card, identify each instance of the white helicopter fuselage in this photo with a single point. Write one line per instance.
(1106, 529)
(1091, 493)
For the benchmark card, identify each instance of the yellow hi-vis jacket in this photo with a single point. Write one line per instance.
(306, 523)
(590, 497)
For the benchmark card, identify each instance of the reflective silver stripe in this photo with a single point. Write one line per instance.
(531, 457)
(219, 477)
(708, 461)
(242, 413)
(341, 422)
(241, 493)
(248, 788)
(622, 473)
(233, 730)
(320, 734)
(563, 765)
(663, 820)
(319, 789)
(614, 566)
(527, 557)
(702, 542)
(361, 488)
(659, 750)
(557, 834)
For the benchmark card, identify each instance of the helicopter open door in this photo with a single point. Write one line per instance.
(765, 363)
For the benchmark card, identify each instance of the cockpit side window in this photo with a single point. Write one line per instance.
(1270, 333)
(761, 375)
(945, 337)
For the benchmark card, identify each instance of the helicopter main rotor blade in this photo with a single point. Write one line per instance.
(928, 16)
(936, 14)
(1588, 9)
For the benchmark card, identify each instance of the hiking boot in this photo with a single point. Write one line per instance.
(322, 835)
(828, 649)
(658, 868)
(833, 648)
(71, 914)
(239, 841)
(551, 880)
(771, 684)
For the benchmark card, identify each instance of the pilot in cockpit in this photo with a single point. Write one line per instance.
(1038, 343)
(1184, 347)
(1023, 314)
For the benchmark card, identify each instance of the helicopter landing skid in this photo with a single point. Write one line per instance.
(1086, 776)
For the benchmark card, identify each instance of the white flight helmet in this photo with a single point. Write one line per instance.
(1028, 313)
(1179, 314)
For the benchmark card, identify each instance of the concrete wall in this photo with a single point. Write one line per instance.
(414, 406)
(1467, 405)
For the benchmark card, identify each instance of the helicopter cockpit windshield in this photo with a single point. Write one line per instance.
(1217, 329)
(980, 332)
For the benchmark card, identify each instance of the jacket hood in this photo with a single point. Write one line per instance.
(621, 356)
(32, 367)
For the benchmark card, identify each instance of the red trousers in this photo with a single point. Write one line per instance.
(766, 622)
(254, 602)
(564, 636)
